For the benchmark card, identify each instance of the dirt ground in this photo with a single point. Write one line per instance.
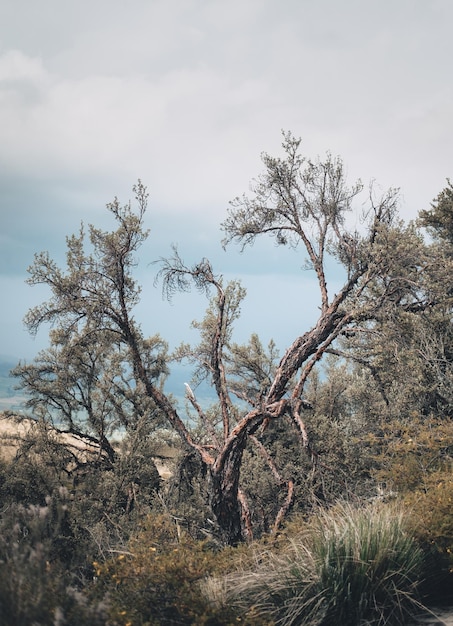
(14, 429)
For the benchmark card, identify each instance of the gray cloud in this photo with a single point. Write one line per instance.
(186, 95)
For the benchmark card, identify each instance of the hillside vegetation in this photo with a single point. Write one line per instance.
(313, 487)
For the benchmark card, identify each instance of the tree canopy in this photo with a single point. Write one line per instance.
(100, 362)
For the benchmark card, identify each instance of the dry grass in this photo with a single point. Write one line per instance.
(349, 566)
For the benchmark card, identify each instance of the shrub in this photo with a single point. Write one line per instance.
(408, 451)
(157, 581)
(36, 584)
(415, 461)
(347, 566)
(432, 524)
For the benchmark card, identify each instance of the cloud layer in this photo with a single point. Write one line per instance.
(186, 95)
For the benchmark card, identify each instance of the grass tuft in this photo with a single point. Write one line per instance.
(348, 566)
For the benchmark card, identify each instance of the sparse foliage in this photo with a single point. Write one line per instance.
(304, 204)
(359, 407)
(439, 219)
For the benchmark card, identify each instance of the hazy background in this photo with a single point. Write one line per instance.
(186, 94)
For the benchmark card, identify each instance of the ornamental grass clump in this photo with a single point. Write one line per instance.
(348, 566)
(368, 566)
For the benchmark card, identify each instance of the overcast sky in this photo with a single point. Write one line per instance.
(186, 95)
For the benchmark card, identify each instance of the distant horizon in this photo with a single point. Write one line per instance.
(180, 374)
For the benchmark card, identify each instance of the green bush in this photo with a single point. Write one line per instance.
(408, 451)
(157, 581)
(347, 566)
(160, 580)
(431, 521)
(414, 461)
